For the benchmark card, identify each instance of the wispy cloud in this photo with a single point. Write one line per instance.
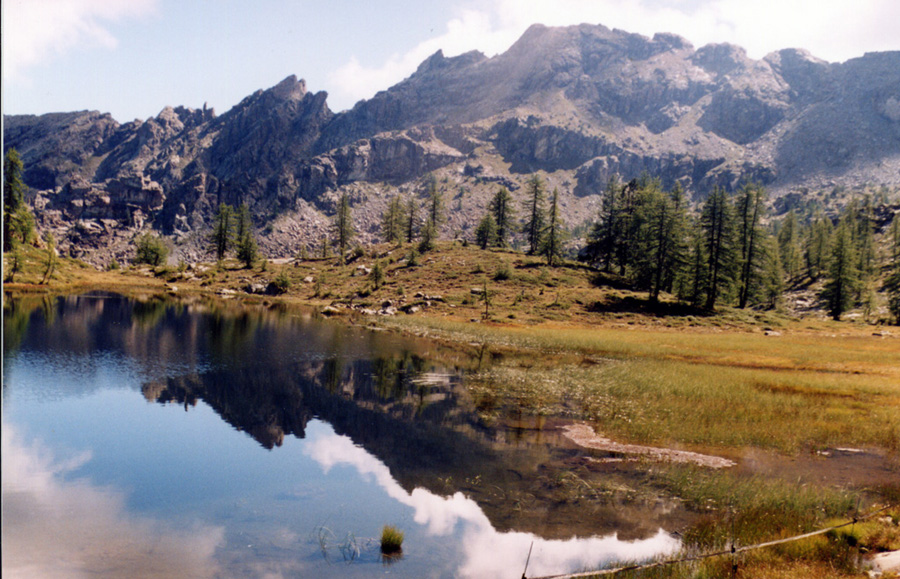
(831, 29)
(36, 31)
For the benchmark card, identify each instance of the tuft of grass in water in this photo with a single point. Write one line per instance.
(391, 540)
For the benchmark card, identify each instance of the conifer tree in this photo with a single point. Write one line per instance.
(658, 242)
(245, 240)
(392, 221)
(343, 225)
(717, 223)
(893, 281)
(772, 280)
(843, 280)
(602, 238)
(411, 219)
(244, 225)
(553, 235)
(789, 245)
(223, 231)
(818, 245)
(750, 209)
(435, 207)
(624, 228)
(503, 212)
(534, 206)
(18, 221)
(486, 232)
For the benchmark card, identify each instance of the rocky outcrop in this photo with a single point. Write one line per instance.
(578, 104)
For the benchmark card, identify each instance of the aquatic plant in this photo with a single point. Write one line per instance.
(391, 540)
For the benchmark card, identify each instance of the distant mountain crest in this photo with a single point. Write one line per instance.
(579, 103)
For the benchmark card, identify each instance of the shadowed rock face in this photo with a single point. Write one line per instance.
(579, 102)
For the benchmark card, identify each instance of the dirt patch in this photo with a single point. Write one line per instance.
(584, 435)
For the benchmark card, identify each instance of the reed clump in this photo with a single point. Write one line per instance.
(391, 540)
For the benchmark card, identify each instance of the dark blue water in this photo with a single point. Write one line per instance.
(151, 439)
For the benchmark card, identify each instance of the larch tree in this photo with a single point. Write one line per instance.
(843, 280)
(717, 223)
(503, 212)
(18, 221)
(554, 232)
(790, 252)
(534, 207)
(818, 245)
(392, 221)
(750, 209)
(658, 243)
(410, 219)
(223, 231)
(601, 241)
(343, 226)
(486, 232)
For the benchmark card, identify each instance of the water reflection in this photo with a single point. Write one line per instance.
(396, 410)
(486, 552)
(54, 527)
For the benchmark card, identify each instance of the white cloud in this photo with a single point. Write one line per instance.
(834, 30)
(54, 525)
(35, 31)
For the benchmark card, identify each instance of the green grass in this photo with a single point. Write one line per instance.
(391, 540)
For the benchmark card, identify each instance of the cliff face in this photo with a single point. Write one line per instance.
(577, 103)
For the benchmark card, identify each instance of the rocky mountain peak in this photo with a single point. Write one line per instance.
(721, 59)
(290, 89)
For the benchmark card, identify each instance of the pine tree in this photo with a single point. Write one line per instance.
(818, 244)
(658, 244)
(392, 221)
(789, 245)
(843, 272)
(893, 281)
(626, 226)
(343, 226)
(601, 242)
(691, 285)
(435, 205)
(244, 222)
(223, 231)
(534, 206)
(486, 232)
(717, 223)
(247, 251)
(501, 208)
(411, 219)
(750, 209)
(51, 258)
(772, 273)
(18, 221)
(554, 232)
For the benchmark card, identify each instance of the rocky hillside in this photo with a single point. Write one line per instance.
(574, 104)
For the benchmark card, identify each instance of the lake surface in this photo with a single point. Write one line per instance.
(158, 439)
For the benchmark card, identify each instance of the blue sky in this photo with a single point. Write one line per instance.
(133, 57)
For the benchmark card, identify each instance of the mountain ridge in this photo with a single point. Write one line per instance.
(576, 104)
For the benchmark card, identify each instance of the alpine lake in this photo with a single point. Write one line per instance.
(151, 438)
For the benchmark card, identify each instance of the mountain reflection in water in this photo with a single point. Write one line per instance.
(393, 410)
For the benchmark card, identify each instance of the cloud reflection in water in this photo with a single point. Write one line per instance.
(486, 552)
(54, 527)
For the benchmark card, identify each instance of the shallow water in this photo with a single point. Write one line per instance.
(212, 440)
